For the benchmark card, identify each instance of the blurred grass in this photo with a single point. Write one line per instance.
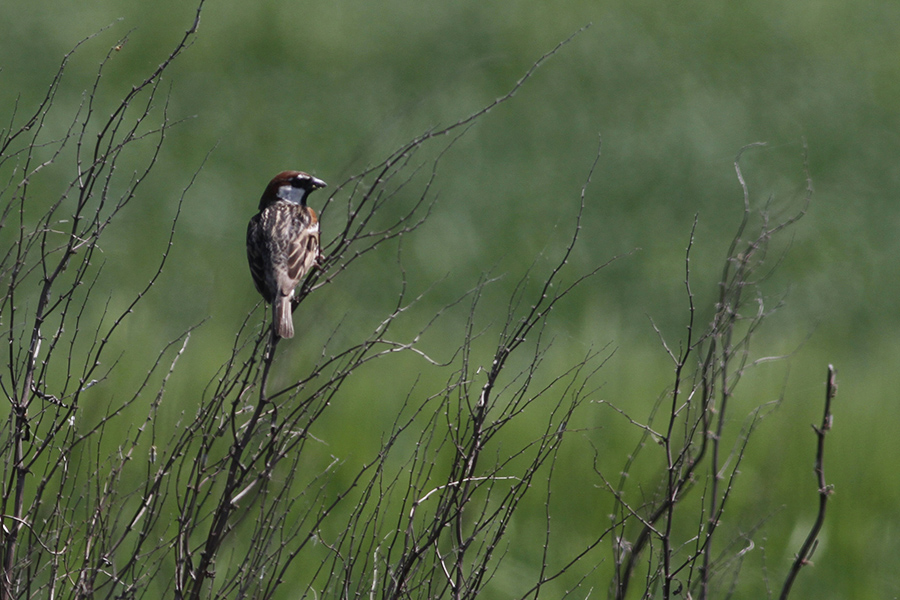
(675, 90)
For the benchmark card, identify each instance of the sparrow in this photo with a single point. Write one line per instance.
(283, 243)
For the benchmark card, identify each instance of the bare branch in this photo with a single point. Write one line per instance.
(809, 545)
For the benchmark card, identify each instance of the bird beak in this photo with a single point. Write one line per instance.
(318, 183)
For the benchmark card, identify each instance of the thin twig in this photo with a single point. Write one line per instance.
(809, 545)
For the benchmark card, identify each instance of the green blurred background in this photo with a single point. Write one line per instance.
(675, 89)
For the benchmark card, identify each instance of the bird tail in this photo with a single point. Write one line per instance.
(284, 322)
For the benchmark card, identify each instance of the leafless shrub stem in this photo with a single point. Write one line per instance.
(825, 490)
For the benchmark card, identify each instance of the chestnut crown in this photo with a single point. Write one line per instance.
(290, 186)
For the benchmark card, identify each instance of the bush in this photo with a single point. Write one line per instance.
(238, 498)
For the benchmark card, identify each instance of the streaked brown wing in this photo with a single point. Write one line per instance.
(256, 248)
(304, 250)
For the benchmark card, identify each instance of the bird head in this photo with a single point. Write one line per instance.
(290, 186)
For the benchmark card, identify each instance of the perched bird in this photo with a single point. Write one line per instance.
(283, 243)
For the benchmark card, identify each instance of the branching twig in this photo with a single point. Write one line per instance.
(809, 545)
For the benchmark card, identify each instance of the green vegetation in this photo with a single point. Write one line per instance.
(675, 91)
